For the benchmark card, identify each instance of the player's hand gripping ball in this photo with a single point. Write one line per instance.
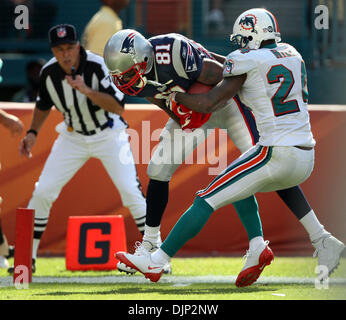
(189, 120)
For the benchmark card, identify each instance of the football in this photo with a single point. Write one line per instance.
(192, 119)
(198, 87)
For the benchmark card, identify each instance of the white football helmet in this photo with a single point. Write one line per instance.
(254, 26)
(128, 56)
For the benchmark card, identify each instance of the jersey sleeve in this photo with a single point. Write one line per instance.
(238, 62)
(187, 59)
(43, 99)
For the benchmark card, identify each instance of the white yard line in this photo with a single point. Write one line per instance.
(174, 280)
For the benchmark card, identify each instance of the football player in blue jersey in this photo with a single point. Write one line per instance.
(154, 68)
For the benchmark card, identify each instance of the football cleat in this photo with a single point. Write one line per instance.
(328, 250)
(255, 262)
(142, 263)
(146, 247)
(122, 267)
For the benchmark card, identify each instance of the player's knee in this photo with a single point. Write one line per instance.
(159, 172)
(130, 192)
(44, 193)
(134, 200)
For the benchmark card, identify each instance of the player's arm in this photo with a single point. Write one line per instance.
(27, 143)
(161, 103)
(11, 122)
(211, 72)
(215, 98)
(196, 67)
(234, 74)
(41, 111)
(218, 57)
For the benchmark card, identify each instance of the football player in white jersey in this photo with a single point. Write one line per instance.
(270, 78)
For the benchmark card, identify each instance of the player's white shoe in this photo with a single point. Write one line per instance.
(144, 248)
(142, 263)
(255, 261)
(328, 250)
(3, 262)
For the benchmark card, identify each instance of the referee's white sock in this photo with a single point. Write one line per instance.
(313, 227)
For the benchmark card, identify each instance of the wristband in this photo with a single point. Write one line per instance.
(32, 131)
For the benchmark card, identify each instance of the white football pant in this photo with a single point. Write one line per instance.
(70, 152)
(260, 169)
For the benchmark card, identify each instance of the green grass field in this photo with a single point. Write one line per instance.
(192, 279)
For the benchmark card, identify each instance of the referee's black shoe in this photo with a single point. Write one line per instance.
(11, 269)
(10, 252)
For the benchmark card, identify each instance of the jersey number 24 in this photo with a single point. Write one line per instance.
(280, 103)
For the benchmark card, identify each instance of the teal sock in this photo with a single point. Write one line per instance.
(248, 213)
(188, 226)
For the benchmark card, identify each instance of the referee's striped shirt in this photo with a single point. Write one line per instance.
(79, 111)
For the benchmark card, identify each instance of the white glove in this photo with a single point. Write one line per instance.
(170, 101)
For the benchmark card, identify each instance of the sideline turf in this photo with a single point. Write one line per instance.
(281, 267)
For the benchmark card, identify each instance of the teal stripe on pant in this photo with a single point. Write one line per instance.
(255, 153)
(241, 175)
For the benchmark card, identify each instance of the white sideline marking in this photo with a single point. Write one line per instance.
(174, 280)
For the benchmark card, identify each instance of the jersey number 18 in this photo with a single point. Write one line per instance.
(162, 54)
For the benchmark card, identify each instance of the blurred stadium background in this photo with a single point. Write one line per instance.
(209, 22)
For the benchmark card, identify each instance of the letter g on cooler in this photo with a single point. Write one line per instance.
(92, 241)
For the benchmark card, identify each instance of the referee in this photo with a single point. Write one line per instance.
(77, 83)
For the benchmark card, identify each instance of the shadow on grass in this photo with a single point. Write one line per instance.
(165, 290)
